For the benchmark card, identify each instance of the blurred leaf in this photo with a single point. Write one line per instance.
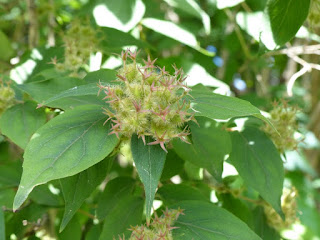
(66, 145)
(173, 193)
(77, 188)
(221, 4)
(10, 174)
(172, 166)
(5, 47)
(72, 231)
(259, 164)
(103, 75)
(261, 226)
(44, 196)
(149, 161)
(257, 25)
(203, 220)
(210, 145)
(127, 213)
(93, 233)
(6, 197)
(115, 190)
(175, 32)
(2, 226)
(119, 14)
(20, 121)
(286, 17)
(191, 7)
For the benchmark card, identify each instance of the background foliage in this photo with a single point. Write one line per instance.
(63, 176)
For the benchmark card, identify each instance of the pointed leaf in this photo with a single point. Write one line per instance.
(149, 161)
(286, 17)
(77, 188)
(21, 121)
(203, 220)
(66, 145)
(259, 164)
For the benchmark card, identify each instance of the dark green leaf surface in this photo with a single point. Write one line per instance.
(210, 145)
(66, 145)
(205, 221)
(77, 188)
(259, 164)
(173, 193)
(217, 106)
(20, 121)
(172, 166)
(127, 213)
(42, 195)
(149, 161)
(115, 190)
(72, 231)
(10, 174)
(286, 17)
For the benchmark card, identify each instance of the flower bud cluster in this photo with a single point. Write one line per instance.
(283, 119)
(314, 14)
(289, 208)
(159, 228)
(6, 97)
(148, 101)
(79, 41)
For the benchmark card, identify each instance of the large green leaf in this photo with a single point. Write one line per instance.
(210, 145)
(173, 193)
(286, 17)
(66, 145)
(20, 121)
(203, 220)
(127, 213)
(5, 47)
(191, 7)
(149, 161)
(2, 226)
(115, 190)
(175, 32)
(79, 187)
(10, 174)
(217, 106)
(259, 164)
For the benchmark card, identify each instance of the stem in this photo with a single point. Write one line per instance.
(33, 24)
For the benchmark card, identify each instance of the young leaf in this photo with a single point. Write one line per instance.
(115, 190)
(127, 213)
(66, 145)
(210, 145)
(286, 17)
(149, 161)
(77, 188)
(20, 121)
(259, 164)
(203, 220)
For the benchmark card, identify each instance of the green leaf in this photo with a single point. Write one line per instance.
(259, 164)
(127, 213)
(20, 121)
(221, 4)
(149, 161)
(2, 225)
(286, 17)
(203, 220)
(93, 233)
(191, 7)
(175, 32)
(119, 14)
(5, 47)
(72, 231)
(173, 193)
(115, 190)
(113, 40)
(216, 106)
(65, 146)
(172, 166)
(10, 174)
(103, 75)
(77, 188)
(44, 196)
(210, 145)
